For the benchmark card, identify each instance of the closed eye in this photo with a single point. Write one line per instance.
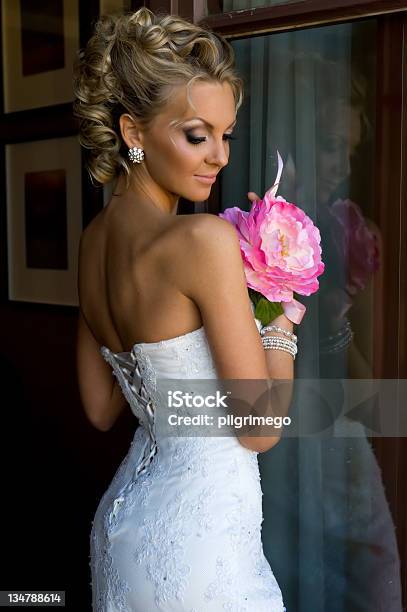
(198, 139)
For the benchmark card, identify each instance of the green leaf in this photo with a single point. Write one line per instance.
(254, 295)
(265, 310)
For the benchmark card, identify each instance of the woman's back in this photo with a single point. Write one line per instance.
(129, 276)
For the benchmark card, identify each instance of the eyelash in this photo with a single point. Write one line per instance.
(195, 140)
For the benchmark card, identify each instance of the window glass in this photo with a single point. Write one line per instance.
(328, 532)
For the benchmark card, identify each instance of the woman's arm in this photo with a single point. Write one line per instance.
(213, 277)
(102, 399)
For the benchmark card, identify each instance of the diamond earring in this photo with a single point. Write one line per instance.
(136, 155)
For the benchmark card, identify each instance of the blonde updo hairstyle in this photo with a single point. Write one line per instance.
(130, 65)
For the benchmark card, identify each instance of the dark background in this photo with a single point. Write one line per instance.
(54, 465)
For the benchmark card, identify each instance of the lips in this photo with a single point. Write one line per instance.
(206, 180)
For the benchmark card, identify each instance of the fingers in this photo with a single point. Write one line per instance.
(253, 196)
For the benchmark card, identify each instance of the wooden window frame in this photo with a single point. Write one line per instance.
(305, 13)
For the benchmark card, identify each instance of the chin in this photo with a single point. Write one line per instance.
(198, 195)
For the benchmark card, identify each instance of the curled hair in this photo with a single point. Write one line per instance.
(130, 65)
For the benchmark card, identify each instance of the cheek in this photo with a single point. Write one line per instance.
(165, 161)
(173, 158)
(186, 157)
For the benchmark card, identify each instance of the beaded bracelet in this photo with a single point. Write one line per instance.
(276, 342)
(281, 348)
(280, 329)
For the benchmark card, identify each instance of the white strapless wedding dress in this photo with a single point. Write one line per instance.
(178, 529)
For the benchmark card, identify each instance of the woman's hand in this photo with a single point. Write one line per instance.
(253, 196)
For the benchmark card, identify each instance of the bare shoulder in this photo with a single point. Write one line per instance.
(215, 246)
(202, 243)
(205, 225)
(205, 233)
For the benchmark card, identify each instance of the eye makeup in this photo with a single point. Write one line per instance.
(209, 125)
(195, 140)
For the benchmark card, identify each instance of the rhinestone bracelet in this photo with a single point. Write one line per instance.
(275, 338)
(281, 348)
(275, 342)
(339, 345)
(342, 332)
(280, 329)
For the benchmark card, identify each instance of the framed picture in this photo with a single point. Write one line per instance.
(44, 220)
(40, 41)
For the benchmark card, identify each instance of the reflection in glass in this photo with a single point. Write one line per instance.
(327, 532)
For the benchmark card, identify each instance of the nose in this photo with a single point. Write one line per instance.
(218, 155)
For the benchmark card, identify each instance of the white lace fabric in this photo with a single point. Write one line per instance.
(179, 527)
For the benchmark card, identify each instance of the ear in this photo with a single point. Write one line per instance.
(131, 131)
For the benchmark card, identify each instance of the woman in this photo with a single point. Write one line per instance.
(164, 296)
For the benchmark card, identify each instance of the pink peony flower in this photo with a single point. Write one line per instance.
(356, 244)
(280, 248)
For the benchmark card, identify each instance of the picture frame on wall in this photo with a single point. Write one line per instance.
(44, 220)
(40, 41)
